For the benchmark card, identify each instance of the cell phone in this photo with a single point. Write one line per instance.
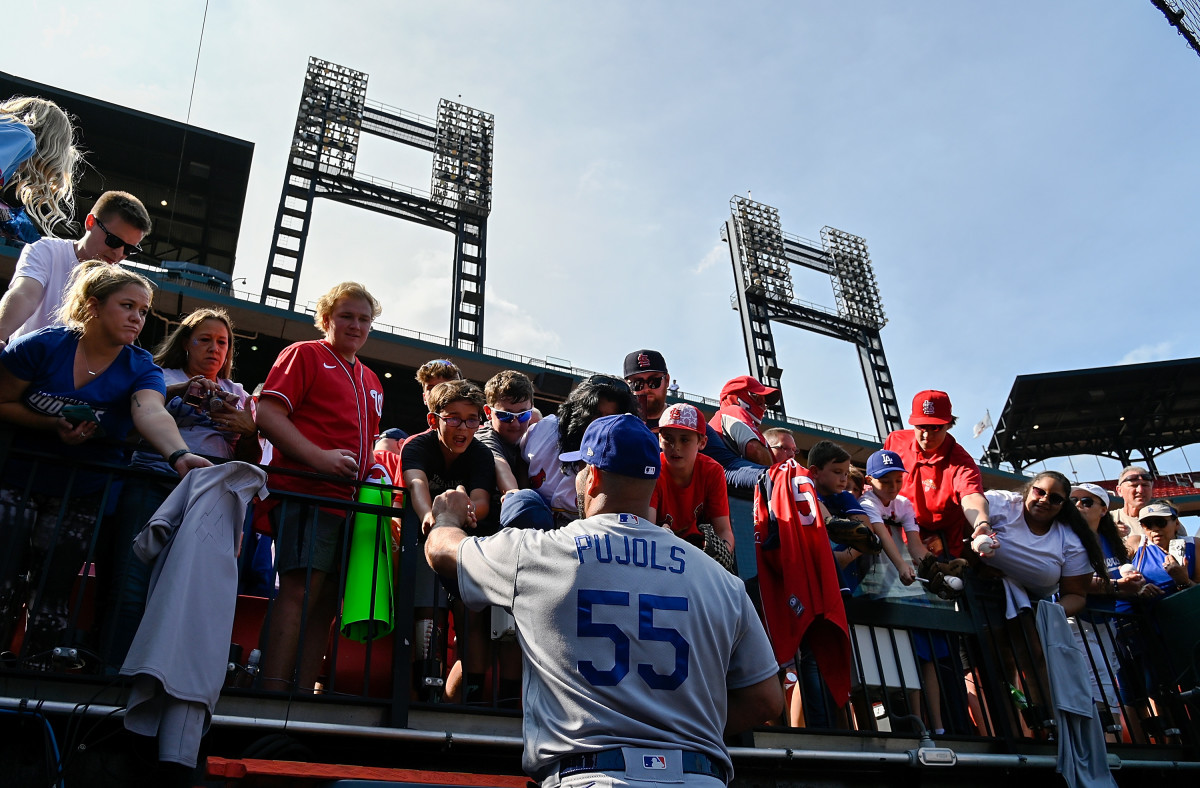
(77, 414)
(1176, 548)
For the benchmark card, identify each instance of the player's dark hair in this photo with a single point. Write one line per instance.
(582, 405)
(824, 452)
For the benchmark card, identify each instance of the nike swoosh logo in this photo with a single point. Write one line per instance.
(329, 366)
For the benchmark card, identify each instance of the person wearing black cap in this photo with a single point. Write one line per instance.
(642, 653)
(646, 374)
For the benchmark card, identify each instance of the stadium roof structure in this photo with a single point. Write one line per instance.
(1118, 412)
(192, 180)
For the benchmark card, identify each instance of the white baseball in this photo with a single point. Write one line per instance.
(953, 583)
(984, 544)
(1126, 570)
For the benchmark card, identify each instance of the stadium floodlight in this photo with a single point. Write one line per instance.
(854, 287)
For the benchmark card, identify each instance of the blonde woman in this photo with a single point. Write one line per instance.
(38, 159)
(74, 392)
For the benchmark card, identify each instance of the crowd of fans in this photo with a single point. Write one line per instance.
(915, 525)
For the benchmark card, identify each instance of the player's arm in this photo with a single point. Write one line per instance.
(274, 422)
(450, 514)
(19, 302)
(753, 705)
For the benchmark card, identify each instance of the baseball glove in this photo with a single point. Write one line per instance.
(716, 549)
(852, 533)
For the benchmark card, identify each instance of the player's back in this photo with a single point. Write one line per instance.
(629, 633)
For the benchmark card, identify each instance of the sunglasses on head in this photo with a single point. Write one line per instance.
(506, 416)
(1086, 503)
(113, 241)
(637, 384)
(1054, 499)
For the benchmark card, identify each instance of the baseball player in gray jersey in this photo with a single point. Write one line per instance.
(640, 650)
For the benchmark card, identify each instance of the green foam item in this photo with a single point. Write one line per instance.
(367, 602)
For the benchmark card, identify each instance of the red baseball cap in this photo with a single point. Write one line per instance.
(931, 407)
(750, 384)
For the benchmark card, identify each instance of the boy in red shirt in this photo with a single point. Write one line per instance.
(691, 489)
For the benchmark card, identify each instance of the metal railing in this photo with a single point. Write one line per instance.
(918, 663)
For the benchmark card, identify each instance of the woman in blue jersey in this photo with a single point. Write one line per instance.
(72, 393)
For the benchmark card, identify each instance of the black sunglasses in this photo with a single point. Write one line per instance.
(116, 242)
(1086, 503)
(1054, 499)
(637, 384)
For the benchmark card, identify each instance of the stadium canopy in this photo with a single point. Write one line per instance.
(1122, 412)
(192, 180)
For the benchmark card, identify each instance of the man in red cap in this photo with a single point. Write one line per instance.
(744, 402)
(943, 481)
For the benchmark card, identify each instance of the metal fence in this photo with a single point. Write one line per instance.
(919, 664)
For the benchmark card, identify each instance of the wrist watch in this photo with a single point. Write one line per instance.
(175, 455)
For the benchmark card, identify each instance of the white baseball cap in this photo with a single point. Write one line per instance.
(1096, 490)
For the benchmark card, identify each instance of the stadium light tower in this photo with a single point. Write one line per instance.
(761, 254)
(334, 112)
(1184, 16)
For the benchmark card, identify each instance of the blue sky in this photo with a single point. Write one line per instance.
(1022, 171)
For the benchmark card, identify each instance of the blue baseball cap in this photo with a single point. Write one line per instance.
(884, 462)
(619, 444)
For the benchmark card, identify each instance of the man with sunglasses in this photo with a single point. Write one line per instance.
(943, 481)
(646, 374)
(112, 231)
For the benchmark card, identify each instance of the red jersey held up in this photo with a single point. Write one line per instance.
(798, 578)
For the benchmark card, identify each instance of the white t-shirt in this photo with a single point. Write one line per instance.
(49, 262)
(540, 447)
(1035, 562)
(882, 579)
(899, 512)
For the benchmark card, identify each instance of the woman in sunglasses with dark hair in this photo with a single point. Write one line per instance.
(1042, 543)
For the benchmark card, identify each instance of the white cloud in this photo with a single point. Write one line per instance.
(1145, 353)
(509, 327)
(719, 253)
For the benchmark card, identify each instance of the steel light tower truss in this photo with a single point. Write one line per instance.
(1184, 16)
(761, 254)
(334, 112)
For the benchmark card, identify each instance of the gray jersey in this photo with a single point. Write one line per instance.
(631, 635)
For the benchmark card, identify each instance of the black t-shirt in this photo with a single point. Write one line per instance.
(474, 469)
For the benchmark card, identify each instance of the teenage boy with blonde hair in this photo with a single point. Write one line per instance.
(320, 408)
